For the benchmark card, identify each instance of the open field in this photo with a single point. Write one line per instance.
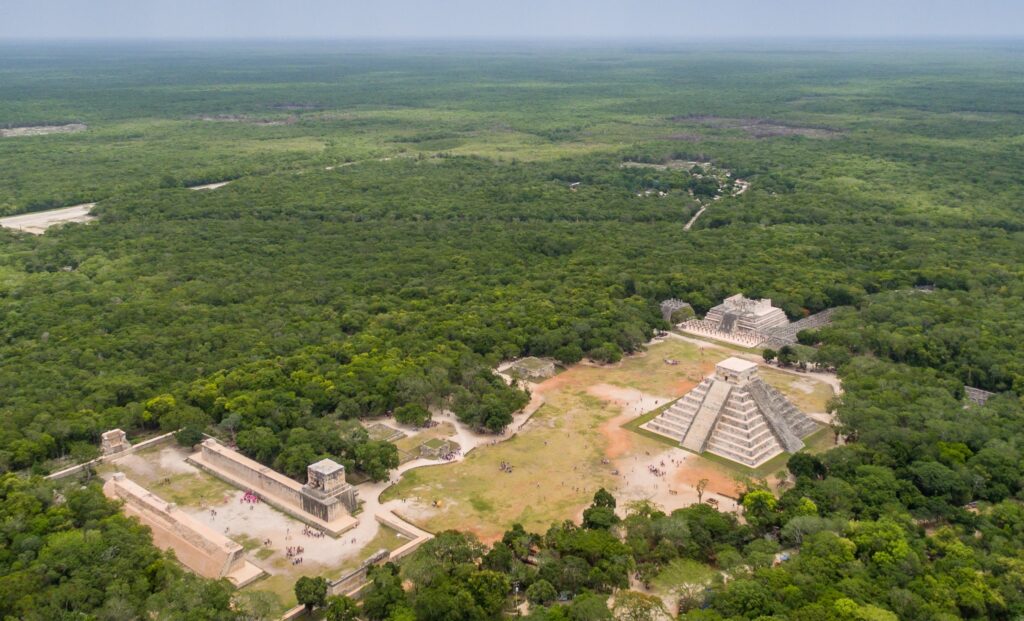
(572, 445)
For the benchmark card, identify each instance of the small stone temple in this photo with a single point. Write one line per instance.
(740, 314)
(113, 442)
(326, 494)
(734, 414)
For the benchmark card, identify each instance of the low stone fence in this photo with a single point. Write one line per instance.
(353, 583)
(72, 470)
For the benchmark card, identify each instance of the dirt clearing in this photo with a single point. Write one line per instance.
(43, 130)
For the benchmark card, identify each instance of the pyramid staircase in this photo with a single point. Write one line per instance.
(742, 419)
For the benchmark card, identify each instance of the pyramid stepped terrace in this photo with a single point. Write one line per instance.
(734, 414)
(740, 320)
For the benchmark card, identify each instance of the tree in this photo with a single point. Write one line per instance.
(599, 517)
(260, 443)
(541, 593)
(602, 498)
(636, 606)
(589, 607)
(341, 608)
(385, 592)
(376, 458)
(769, 354)
(311, 592)
(157, 408)
(700, 487)
(490, 589)
(804, 464)
(787, 355)
(257, 605)
(412, 414)
(759, 509)
(601, 514)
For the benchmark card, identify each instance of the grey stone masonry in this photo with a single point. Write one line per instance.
(740, 314)
(736, 415)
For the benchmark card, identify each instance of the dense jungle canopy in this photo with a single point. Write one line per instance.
(400, 220)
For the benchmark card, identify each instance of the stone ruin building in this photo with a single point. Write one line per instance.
(977, 396)
(326, 493)
(740, 314)
(113, 442)
(734, 414)
(753, 323)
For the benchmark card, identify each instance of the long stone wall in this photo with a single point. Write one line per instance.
(66, 472)
(195, 545)
(252, 473)
(273, 487)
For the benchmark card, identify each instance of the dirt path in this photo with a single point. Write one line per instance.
(210, 186)
(699, 213)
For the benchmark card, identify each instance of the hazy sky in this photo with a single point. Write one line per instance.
(684, 19)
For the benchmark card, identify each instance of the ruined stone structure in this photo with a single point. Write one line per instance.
(786, 335)
(740, 314)
(532, 369)
(325, 501)
(326, 494)
(740, 320)
(195, 545)
(435, 448)
(736, 415)
(977, 396)
(669, 307)
(113, 442)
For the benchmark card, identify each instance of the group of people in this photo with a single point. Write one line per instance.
(250, 497)
(658, 472)
(452, 455)
(506, 467)
(312, 532)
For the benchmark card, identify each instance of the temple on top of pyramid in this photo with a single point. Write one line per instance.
(736, 415)
(738, 313)
(743, 321)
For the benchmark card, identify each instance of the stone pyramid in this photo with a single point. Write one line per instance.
(736, 415)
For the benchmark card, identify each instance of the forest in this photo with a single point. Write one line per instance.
(398, 222)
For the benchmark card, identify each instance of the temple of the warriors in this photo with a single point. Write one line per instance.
(734, 414)
(740, 314)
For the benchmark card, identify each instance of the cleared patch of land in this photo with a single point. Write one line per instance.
(37, 222)
(210, 186)
(577, 442)
(42, 130)
(760, 128)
